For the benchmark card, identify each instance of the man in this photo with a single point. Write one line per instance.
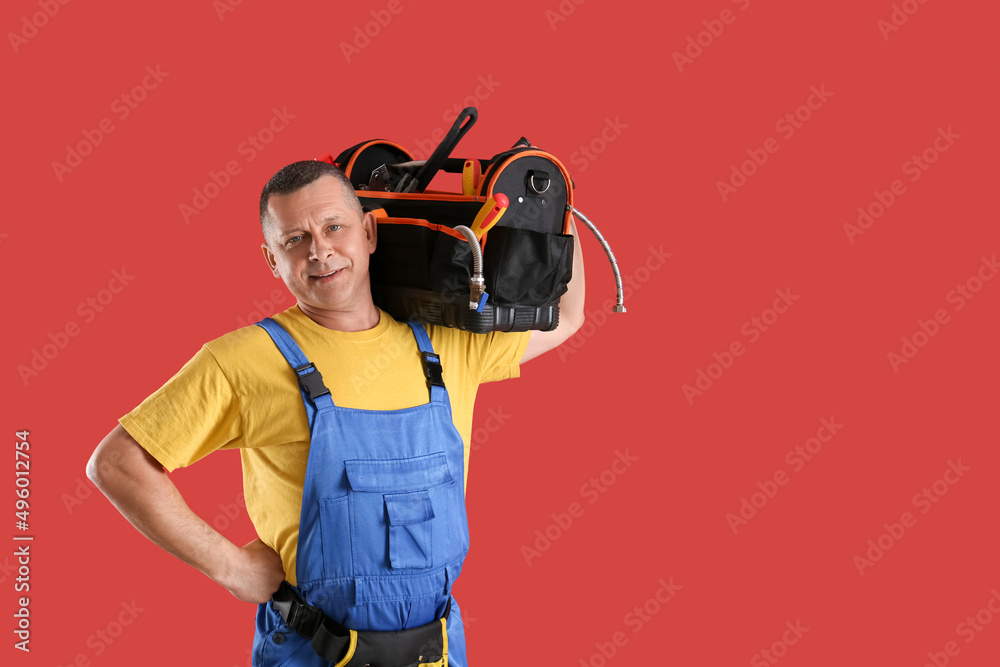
(328, 478)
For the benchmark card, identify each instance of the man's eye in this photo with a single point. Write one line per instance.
(293, 239)
(334, 227)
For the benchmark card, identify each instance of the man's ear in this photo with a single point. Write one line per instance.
(269, 258)
(371, 230)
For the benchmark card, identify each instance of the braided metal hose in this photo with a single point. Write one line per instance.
(477, 286)
(620, 305)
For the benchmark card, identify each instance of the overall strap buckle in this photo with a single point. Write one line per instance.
(302, 617)
(311, 380)
(432, 369)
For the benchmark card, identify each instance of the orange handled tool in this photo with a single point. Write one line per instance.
(488, 215)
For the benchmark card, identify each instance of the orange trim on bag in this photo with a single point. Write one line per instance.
(444, 229)
(488, 191)
(418, 196)
(350, 163)
(438, 192)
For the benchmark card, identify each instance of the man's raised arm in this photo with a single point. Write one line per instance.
(140, 488)
(570, 309)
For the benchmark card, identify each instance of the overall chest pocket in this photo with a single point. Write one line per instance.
(406, 513)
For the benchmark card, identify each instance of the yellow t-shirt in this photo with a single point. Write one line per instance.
(239, 392)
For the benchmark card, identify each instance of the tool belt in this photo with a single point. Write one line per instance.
(423, 646)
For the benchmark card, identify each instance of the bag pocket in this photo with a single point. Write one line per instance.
(417, 254)
(526, 268)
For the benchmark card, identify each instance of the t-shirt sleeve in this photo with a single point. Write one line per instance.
(502, 355)
(195, 413)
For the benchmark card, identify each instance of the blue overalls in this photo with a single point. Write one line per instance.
(383, 531)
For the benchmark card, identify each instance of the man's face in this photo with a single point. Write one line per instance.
(319, 246)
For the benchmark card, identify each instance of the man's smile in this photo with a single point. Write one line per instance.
(324, 277)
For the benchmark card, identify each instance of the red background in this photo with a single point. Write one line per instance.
(619, 387)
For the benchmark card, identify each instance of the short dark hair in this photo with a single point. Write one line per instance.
(298, 175)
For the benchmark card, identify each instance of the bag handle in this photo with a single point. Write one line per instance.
(437, 158)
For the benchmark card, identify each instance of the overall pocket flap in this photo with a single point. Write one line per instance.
(410, 474)
(409, 508)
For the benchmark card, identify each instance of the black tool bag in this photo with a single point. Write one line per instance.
(423, 265)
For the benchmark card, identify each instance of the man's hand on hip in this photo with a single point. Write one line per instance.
(141, 490)
(255, 574)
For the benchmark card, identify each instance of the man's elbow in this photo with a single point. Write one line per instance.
(100, 466)
(573, 321)
(116, 458)
(569, 324)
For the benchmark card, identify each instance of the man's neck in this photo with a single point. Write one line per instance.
(362, 319)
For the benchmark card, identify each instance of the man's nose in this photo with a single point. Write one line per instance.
(321, 247)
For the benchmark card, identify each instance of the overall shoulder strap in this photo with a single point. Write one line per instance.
(314, 392)
(431, 362)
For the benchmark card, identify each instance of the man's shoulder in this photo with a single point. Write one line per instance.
(239, 343)
(449, 338)
(255, 338)
(470, 337)
(491, 356)
(471, 340)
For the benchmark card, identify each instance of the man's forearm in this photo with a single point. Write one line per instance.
(571, 303)
(570, 309)
(141, 490)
